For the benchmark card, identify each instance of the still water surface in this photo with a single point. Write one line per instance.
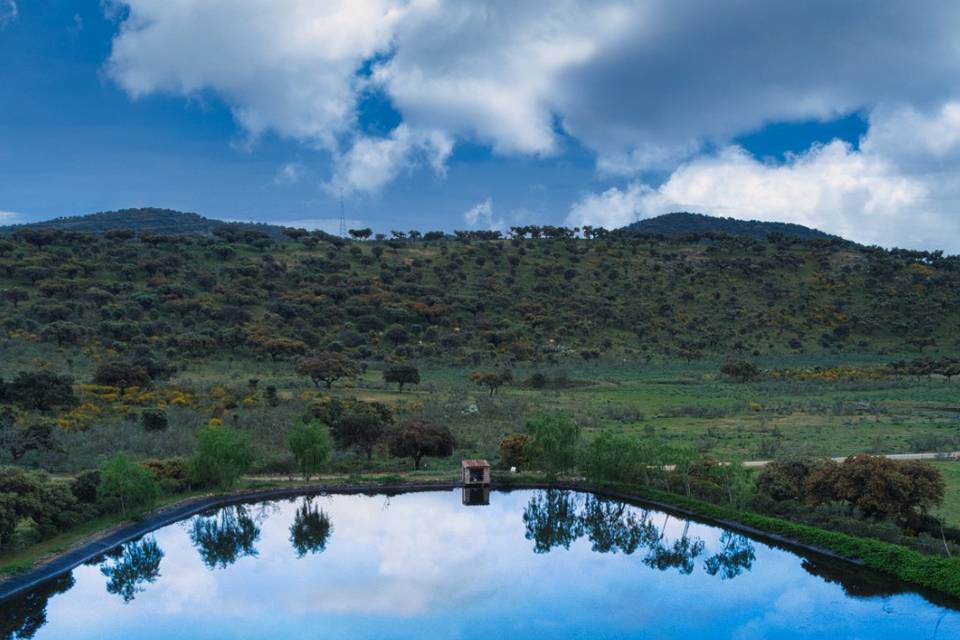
(530, 564)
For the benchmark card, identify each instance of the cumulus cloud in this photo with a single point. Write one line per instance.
(373, 162)
(285, 66)
(644, 86)
(7, 216)
(893, 190)
(481, 215)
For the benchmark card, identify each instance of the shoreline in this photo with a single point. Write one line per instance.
(85, 550)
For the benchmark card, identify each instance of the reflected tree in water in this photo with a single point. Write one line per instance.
(310, 530)
(611, 526)
(736, 556)
(557, 518)
(552, 520)
(226, 536)
(138, 564)
(22, 616)
(680, 555)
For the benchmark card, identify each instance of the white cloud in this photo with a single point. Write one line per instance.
(373, 162)
(289, 67)
(896, 189)
(289, 173)
(644, 86)
(481, 215)
(7, 216)
(8, 12)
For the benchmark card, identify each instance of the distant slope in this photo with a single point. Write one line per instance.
(684, 223)
(148, 220)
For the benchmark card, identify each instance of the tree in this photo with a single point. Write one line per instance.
(513, 450)
(41, 390)
(121, 375)
(493, 380)
(360, 425)
(396, 334)
(126, 485)
(310, 444)
(740, 370)
(310, 530)
(222, 456)
(62, 332)
(154, 419)
(878, 487)
(418, 438)
(38, 436)
(785, 479)
(553, 442)
(84, 486)
(360, 234)
(402, 374)
(33, 496)
(327, 367)
(16, 296)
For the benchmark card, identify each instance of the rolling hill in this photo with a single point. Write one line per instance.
(145, 220)
(683, 223)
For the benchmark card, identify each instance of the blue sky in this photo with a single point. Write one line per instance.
(421, 112)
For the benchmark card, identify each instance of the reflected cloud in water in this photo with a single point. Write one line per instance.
(530, 564)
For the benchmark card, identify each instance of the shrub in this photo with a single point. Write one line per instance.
(310, 444)
(154, 419)
(121, 375)
(617, 458)
(222, 456)
(126, 486)
(33, 495)
(84, 486)
(171, 473)
(513, 450)
(740, 370)
(785, 479)
(553, 442)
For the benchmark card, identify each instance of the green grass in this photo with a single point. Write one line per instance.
(951, 503)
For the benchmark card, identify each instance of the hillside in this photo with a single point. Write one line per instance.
(683, 223)
(146, 220)
(472, 301)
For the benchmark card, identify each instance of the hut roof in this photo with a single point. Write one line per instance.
(475, 464)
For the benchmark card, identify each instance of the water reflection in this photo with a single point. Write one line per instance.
(557, 518)
(225, 536)
(22, 616)
(310, 530)
(139, 563)
(531, 564)
(736, 556)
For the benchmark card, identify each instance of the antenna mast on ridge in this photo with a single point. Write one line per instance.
(343, 219)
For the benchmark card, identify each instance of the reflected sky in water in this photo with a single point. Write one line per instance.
(531, 564)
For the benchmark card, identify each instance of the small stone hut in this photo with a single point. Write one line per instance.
(475, 473)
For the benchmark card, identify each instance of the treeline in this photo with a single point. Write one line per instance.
(868, 496)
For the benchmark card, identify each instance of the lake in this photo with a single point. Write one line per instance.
(529, 564)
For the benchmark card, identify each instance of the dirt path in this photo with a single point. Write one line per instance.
(946, 455)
